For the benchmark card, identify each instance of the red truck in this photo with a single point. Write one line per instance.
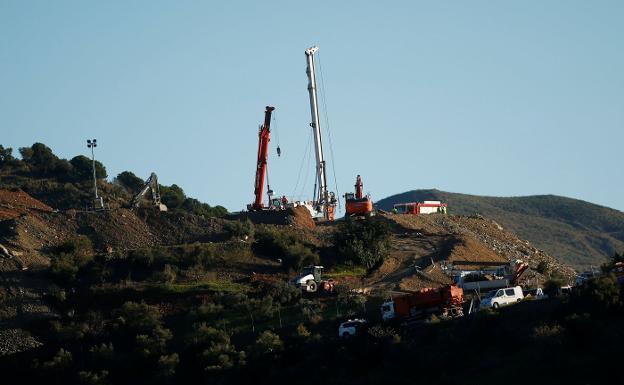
(444, 301)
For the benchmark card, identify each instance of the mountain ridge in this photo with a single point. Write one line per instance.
(577, 232)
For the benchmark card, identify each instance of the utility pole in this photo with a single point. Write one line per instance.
(98, 201)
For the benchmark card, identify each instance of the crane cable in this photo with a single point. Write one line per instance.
(331, 147)
(275, 125)
(305, 156)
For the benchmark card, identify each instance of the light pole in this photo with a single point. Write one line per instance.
(92, 143)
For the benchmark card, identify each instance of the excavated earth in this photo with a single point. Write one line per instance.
(422, 246)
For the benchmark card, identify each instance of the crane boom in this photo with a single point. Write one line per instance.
(264, 136)
(325, 200)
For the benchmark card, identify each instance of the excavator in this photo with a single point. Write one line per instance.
(264, 136)
(150, 184)
(357, 204)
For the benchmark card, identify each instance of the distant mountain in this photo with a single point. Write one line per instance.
(577, 232)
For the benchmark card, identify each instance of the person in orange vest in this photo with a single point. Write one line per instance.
(284, 200)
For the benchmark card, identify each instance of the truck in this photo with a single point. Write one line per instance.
(445, 302)
(310, 280)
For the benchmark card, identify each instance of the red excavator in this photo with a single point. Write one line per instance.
(264, 136)
(357, 204)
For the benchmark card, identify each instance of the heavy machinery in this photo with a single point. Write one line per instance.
(310, 280)
(324, 202)
(444, 302)
(264, 136)
(482, 280)
(357, 204)
(150, 184)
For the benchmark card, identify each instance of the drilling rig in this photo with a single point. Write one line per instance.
(264, 136)
(324, 202)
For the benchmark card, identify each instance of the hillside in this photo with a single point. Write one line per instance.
(578, 233)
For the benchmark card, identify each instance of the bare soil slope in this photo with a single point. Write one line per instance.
(421, 244)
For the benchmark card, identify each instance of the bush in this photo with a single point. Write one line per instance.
(599, 294)
(72, 255)
(542, 267)
(239, 229)
(291, 248)
(362, 242)
(268, 343)
(138, 317)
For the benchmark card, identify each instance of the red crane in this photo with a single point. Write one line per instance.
(264, 135)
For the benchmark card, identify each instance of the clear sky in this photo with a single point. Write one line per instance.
(500, 98)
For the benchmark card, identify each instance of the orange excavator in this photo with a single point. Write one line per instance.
(357, 204)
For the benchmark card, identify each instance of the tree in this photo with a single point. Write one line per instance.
(6, 155)
(130, 181)
(365, 243)
(41, 158)
(83, 168)
(172, 196)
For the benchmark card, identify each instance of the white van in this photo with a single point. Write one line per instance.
(502, 297)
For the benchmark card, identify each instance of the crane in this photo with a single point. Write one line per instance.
(150, 184)
(264, 136)
(325, 201)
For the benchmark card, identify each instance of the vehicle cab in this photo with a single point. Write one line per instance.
(387, 310)
(351, 327)
(501, 297)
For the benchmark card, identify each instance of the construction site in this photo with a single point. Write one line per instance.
(230, 285)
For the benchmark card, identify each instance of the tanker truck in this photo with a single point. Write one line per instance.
(444, 302)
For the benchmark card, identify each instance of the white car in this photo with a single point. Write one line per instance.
(502, 297)
(351, 327)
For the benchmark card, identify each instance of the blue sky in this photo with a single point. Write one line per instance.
(501, 98)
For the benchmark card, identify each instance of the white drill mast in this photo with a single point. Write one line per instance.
(326, 201)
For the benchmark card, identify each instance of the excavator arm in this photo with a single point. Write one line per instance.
(150, 184)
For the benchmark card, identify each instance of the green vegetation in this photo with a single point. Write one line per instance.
(67, 184)
(363, 243)
(576, 232)
(294, 251)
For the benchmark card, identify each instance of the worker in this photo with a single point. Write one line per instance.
(284, 200)
(394, 210)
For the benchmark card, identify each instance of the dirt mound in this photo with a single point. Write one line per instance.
(468, 252)
(419, 243)
(16, 203)
(293, 216)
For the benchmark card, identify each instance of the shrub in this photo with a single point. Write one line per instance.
(90, 378)
(268, 343)
(599, 294)
(362, 242)
(167, 275)
(291, 248)
(138, 317)
(239, 229)
(542, 267)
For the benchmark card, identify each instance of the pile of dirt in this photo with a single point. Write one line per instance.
(293, 216)
(16, 203)
(419, 243)
(468, 251)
